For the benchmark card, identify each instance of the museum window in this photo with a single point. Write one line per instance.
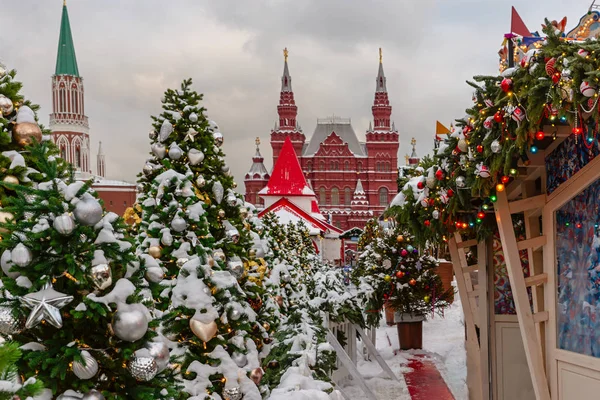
(322, 196)
(335, 197)
(383, 196)
(347, 196)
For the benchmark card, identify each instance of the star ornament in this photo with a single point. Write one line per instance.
(45, 305)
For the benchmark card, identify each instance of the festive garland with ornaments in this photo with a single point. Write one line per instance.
(555, 84)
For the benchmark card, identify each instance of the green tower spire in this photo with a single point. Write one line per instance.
(66, 62)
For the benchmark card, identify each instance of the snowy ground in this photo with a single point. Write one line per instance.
(443, 342)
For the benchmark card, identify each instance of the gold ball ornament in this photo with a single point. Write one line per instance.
(222, 213)
(279, 300)
(25, 132)
(267, 326)
(154, 251)
(426, 298)
(400, 238)
(11, 179)
(5, 216)
(387, 278)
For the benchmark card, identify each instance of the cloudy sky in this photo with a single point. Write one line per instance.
(130, 51)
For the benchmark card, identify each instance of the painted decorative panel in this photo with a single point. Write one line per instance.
(503, 299)
(569, 157)
(578, 273)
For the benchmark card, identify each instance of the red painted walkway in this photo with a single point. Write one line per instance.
(425, 382)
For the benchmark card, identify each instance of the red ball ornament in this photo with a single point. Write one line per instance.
(420, 185)
(556, 77)
(439, 174)
(404, 253)
(427, 223)
(431, 202)
(498, 117)
(506, 85)
(450, 193)
(399, 274)
(479, 148)
(412, 282)
(505, 179)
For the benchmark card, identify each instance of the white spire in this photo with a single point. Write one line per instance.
(359, 188)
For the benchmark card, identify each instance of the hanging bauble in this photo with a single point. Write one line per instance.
(152, 135)
(518, 115)
(165, 130)
(193, 117)
(236, 268)
(404, 253)
(583, 53)
(21, 255)
(154, 251)
(498, 116)
(435, 214)
(240, 359)
(412, 282)
(231, 199)
(203, 331)
(488, 102)
(6, 105)
(400, 274)
(482, 171)
(556, 77)
(551, 110)
(235, 314)
(218, 255)
(488, 122)
(256, 375)
(586, 89)
(439, 174)
(218, 191)
(200, 181)
(166, 238)
(424, 202)
(9, 325)
(175, 151)
(233, 393)
(550, 69)
(231, 231)
(142, 369)
(178, 224)
(460, 182)
(218, 136)
(387, 278)
(25, 132)
(221, 213)
(225, 168)
(6, 263)
(159, 150)
(279, 300)
(400, 238)
(463, 145)
(506, 85)
(154, 274)
(426, 298)
(479, 148)
(64, 224)
(130, 322)
(93, 395)
(11, 179)
(101, 275)
(495, 146)
(450, 193)
(420, 185)
(88, 211)
(5, 217)
(147, 170)
(160, 352)
(195, 156)
(86, 369)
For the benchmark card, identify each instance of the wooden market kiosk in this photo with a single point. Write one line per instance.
(532, 301)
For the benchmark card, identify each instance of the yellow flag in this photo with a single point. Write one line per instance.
(440, 129)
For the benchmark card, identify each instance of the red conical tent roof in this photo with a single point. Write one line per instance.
(517, 25)
(287, 178)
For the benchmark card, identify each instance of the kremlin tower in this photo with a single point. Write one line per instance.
(353, 181)
(256, 179)
(70, 128)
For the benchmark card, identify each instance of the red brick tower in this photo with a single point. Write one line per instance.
(382, 148)
(256, 178)
(288, 111)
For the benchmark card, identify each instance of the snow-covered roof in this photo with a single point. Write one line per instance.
(287, 211)
(342, 127)
(257, 170)
(100, 181)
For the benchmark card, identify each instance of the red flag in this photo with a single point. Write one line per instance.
(517, 25)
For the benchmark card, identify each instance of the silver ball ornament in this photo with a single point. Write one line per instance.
(152, 135)
(101, 275)
(175, 152)
(193, 117)
(232, 393)
(460, 182)
(154, 274)
(496, 146)
(64, 224)
(139, 188)
(129, 323)
(142, 368)
(181, 262)
(88, 212)
(93, 395)
(160, 352)
(147, 170)
(236, 267)
(286, 277)
(435, 214)
(200, 181)
(9, 325)
(225, 168)
(218, 136)
(86, 369)
(21, 255)
(6, 105)
(178, 224)
(231, 200)
(235, 315)
(6, 264)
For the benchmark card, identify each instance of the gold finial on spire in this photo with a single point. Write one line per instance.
(380, 56)
(413, 141)
(64, 2)
(285, 54)
(406, 157)
(257, 141)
